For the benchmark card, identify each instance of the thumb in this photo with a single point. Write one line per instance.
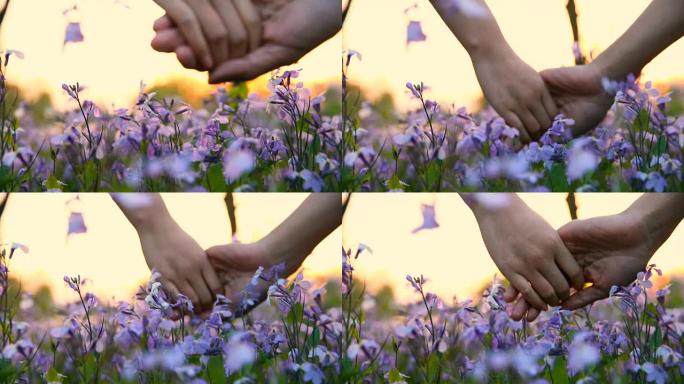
(258, 62)
(510, 294)
(584, 297)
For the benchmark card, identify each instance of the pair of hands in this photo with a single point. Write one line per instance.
(530, 101)
(202, 274)
(543, 265)
(238, 40)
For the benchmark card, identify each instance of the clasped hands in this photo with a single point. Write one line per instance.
(546, 267)
(238, 40)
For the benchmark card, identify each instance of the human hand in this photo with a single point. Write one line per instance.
(291, 32)
(578, 92)
(237, 264)
(515, 90)
(611, 250)
(182, 263)
(529, 253)
(215, 30)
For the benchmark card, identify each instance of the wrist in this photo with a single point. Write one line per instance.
(278, 251)
(145, 221)
(481, 48)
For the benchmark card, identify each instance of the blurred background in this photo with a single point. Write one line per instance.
(109, 253)
(115, 56)
(453, 256)
(538, 30)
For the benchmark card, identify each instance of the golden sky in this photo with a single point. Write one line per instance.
(453, 256)
(109, 253)
(116, 54)
(538, 30)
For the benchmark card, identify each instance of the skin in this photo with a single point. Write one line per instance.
(289, 243)
(578, 92)
(514, 89)
(168, 249)
(217, 30)
(293, 30)
(628, 240)
(227, 269)
(534, 259)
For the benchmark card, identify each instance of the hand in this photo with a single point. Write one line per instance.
(182, 263)
(516, 91)
(215, 30)
(236, 265)
(611, 250)
(294, 30)
(577, 91)
(529, 253)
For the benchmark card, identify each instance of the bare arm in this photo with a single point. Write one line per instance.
(659, 26)
(514, 89)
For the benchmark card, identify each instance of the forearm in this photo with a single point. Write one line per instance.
(151, 215)
(660, 213)
(478, 35)
(659, 26)
(294, 239)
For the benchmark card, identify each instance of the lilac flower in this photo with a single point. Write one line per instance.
(654, 373)
(236, 163)
(312, 374)
(656, 182)
(429, 220)
(73, 33)
(237, 353)
(414, 32)
(312, 181)
(76, 224)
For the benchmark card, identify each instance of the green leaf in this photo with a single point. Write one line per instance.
(216, 180)
(53, 376)
(558, 178)
(215, 372)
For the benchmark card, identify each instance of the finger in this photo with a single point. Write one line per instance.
(532, 314)
(525, 288)
(543, 288)
(163, 23)
(212, 280)
(236, 38)
(543, 118)
(570, 268)
(251, 19)
(185, 19)
(519, 309)
(549, 105)
(530, 122)
(558, 281)
(214, 28)
(171, 290)
(262, 60)
(513, 121)
(206, 297)
(188, 291)
(168, 40)
(187, 58)
(510, 294)
(584, 297)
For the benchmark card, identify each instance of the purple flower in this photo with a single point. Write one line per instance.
(312, 181)
(429, 220)
(76, 224)
(414, 32)
(73, 33)
(237, 163)
(656, 182)
(237, 353)
(312, 374)
(582, 355)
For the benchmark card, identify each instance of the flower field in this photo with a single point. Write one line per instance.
(336, 335)
(293, 140)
